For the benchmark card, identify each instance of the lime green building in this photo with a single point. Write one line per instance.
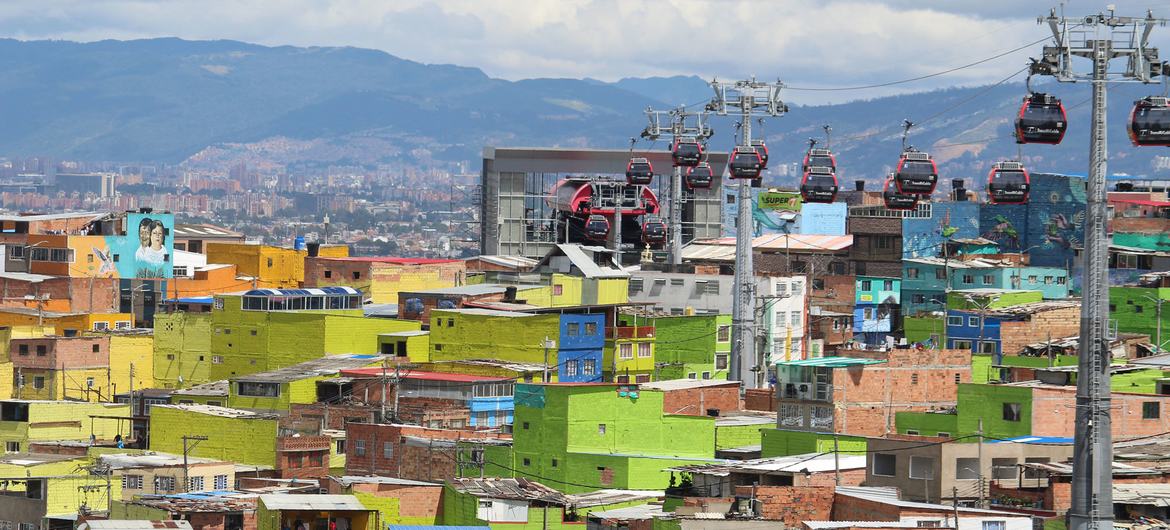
(688, 346)
(182, 349)
(267, 329)
(276, 390)
(24, 421)
(600, 436)
(240, 436)
(502, 503)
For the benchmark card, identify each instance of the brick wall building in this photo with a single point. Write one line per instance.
(406, 451)
(791, 505)
(1062, 320)
(418, 502)
(861, 396)
(1133, 415)
(696, 397)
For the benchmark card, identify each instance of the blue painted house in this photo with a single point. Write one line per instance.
(580, 348)
(876, 308)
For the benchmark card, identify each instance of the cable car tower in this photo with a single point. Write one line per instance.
(748, 99)
(1099, 38)
(688, 149)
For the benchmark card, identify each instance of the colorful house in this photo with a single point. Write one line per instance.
(182, 349)
(877, 308)
(25, 421)
(500, 503)
(598, 436)
(277, 511)
(688, 346)
(272, 267)
(380, 279)
(276, 390)
(629, 354)
(570, 343)
(1137, 310)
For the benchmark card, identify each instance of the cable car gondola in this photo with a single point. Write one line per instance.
(597, 227)
(820, 158)
(639, 171)
(686, 151)
(916, 174)
(1008, 183)
(745, 163)
(896, 200)
(653, 232)
(1042, 120)
(818, 185)
(1149, 123)
(700, 176)
(762, 149)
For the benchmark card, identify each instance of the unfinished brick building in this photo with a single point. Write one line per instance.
(860, 396)
(407, 451)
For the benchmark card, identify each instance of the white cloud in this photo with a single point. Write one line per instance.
(804, 42)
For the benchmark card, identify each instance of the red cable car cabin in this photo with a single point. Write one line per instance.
(820, 158)
(639, 171)
(896, 200)
(700, 176)
(745, 163)
(762, 149)
(597, 227)
(1042, 120)
(818, 185)
(686, 151)
(1149, 122)
(654, 232)
(917, 173)
(1008, 183)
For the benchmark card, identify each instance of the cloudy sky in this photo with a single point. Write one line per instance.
(807, 43)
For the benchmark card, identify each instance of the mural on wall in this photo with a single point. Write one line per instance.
(1050, 226)
(145, 251)
(954, 220)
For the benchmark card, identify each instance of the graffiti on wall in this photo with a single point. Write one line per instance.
(948, 220)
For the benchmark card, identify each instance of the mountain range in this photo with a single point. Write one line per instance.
(210, 102)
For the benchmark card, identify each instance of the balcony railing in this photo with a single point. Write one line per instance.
(807, 391)
(630, 332)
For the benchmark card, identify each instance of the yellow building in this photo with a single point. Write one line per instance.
(24, 421)
(152, 473)
(32, 323)
(273, 267)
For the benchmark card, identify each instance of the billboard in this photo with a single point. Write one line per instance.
(146, 250)
(779, 200)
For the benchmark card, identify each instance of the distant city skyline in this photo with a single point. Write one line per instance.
(806, 43)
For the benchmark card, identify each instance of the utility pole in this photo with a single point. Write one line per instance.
(187, 449)
(980, 466)
(1099, 38)
(836, 459)
(748, 99)
(677, 127)
(549, 344)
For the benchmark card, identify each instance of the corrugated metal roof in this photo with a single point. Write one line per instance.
(427, 376)
(612, 496)
(325, 366)
(508, 488)
(353, 479)
(812, 462)
(685, 384)
(782, 242)
(1066, 468)
(828, 525)
(890, 496)
(1147, 494)
(831, 362)
(278, 501)
(122, 524)
(580, 257)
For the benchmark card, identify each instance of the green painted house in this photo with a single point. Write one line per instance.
(276, 390)
(587, 437)
(688, 346)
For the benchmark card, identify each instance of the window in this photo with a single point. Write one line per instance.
(131, 482)
(1032, 279)
(1138, 309)
(721, 361)
(692, 375)
(922, 467)
(958, 378)
(961, 344)
(914, 379)
(795, 321)
(797, 287)
(554, 462)
(357, 275)
(359, 447)
(1003, 468)
(217, 304)
(164, 483)
(625, 351)
(1151, 410)
(706, 375)
(12, 447)
(643, 350)
(256, 389)
(866, 285)
(994, 525)
(818, 284)
(41, 350)
(438, 347)
(88, 382)
(387, 449)
(340, 447)
(973, 322)
(884, 464)
(781, 318)
(571, 368)
(23, 349)
(711, 287)
(988, 279)
(39, 382)
(677, 282)
(574, 329)
(221, 482)
(954, 321)
(940, 274)
(216, 359)
(601, 429)
(944, 434)
(918, 298)
(101, 326)
(590, 328)
(1011, 411)
(1061, 280)
(888, 285)
(987, 347)
(912, 273)
(590, 367)
(724, 334)
(525, 426)
(195, 484)
(912, 432)
(328, 273)
(968, 279)
(867, 313)
(967, 469)
(635, 285)
(527, 462)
